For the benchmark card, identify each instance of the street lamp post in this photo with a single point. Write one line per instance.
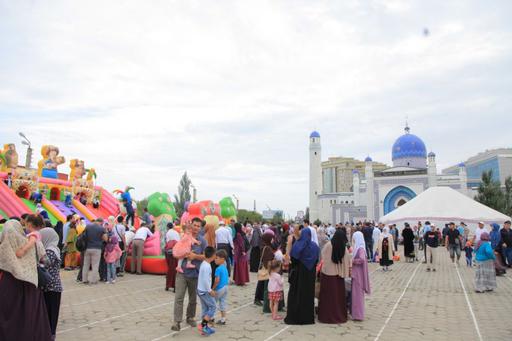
(28, 159)
(194, 193)
(237, 201)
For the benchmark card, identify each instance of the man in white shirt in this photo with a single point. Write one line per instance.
(478, 232)
(224, 241)
(140, 237)
(119, 231)
(314, 235)
(330, 231)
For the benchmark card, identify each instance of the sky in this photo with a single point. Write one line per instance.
(229, 91)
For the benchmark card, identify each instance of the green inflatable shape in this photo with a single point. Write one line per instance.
(227, 208)
(160, 203)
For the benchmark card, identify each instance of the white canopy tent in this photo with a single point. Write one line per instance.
(441, 205)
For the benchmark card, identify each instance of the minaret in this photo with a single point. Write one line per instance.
(315, 174)
(370, 204)
(355, 186)
(463, 178)
(432, 170)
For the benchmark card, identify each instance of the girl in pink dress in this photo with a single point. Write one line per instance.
(182, 248)
(275, 288)
(34, 224)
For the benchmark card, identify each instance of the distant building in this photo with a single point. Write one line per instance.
(497, 160)
(374, 189)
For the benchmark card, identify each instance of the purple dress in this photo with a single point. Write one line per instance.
(360, 284)
(241, 267)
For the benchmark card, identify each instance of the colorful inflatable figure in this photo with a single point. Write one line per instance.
(77, 169)
(227, 208)
(162, 209)
(47, 167)
(9, 157)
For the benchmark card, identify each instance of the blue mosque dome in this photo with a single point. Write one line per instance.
(408, 146)
(368, 159)
(462, 164)
(314, 134)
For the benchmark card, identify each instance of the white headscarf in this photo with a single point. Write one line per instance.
(358, 242)
(50, 240)
(385, 232)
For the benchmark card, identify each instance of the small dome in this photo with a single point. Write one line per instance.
(462, 164)
(431, 154)
(368, 159)
(314, 134)
(408, 146)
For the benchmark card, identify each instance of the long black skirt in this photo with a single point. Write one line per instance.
(23, 314)
(301, 295)
(254, 261)
(332, 305)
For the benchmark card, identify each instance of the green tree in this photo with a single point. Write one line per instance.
(508, 196)
(251, 216)
(490, 193)
(277, 218)
(141, 204)
(183, 194)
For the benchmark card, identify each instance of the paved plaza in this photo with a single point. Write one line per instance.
(407, 303)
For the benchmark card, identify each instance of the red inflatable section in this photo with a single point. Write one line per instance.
(150, 265)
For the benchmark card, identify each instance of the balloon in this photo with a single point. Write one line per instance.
(227, 208)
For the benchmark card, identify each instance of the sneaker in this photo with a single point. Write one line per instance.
(428, 269)
(207, 331)
(434, 270)
(258, 303)
(191, 322)
(221, 322)
(176, 327)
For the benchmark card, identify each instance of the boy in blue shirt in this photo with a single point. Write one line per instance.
(221, 284)
(205, 292)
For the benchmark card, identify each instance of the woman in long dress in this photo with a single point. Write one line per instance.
(266, 257)
(485, 274)
(255, 248)
(408, 236)
(23, 314)
(241, 267)
(360, 276)
(385, 249)
(301, 294)
(332, 306)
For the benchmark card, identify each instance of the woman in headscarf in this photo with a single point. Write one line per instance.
(360, 276)
(385, 249)
(408, 236)
(332, 306)
(301, 294)
(255, 248)
(23, 314)
(241, 266)
(496, 245)
(485, 275)
(266, 257)
(53, 289)
(71, 257)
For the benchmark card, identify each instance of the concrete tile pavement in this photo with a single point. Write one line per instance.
(407, 303)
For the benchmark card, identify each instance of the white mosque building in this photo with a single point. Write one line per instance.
(377, 192)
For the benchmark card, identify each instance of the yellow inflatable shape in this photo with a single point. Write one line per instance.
(212, 220)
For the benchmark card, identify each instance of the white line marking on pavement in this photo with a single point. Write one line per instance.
(397, 303)
(114, 317)
(106, 298)
(188, 327)
(279, 332)
(469, 306)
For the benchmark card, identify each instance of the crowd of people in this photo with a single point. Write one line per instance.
(325, 266)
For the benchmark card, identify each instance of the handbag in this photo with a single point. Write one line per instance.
(263, 274)
(81, 241)
(121, 244)
(169, 245)
(43, 276)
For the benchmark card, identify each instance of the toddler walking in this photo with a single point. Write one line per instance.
(182, 248)
(275, 288)
(112, 254)
(469, 254)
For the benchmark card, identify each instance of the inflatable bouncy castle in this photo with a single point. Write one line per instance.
(25, 190)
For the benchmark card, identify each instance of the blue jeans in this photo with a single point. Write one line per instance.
(208, 304)
(111, 272)
(507, 255)
(221, 298)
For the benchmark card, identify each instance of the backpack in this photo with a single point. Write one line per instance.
(81, 241)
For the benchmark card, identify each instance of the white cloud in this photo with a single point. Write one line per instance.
(230, 90)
